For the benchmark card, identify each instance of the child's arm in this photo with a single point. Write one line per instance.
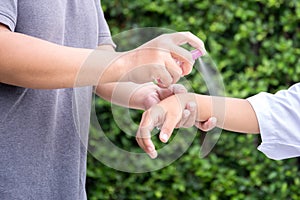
(236, 115)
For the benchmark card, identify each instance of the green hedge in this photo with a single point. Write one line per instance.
(256, 47)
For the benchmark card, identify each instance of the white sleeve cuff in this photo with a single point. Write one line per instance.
(279, 123)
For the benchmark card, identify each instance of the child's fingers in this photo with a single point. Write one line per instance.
(190, 121)
(168, 127)
(188, 116)
(143, 139)
(185, 116)
(143, 136)
(207, 125)
(147, 145)
(150, 119)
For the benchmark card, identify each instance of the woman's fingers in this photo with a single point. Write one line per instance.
(187, 37)
(188, 116)
(165, 51)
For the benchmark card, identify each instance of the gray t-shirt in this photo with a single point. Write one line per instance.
(41, 154)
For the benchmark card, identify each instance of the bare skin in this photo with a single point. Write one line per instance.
(30, 62)
(238, 116)
(34, 63)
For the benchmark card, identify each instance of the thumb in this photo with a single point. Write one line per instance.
(150, 101)
(207, 125)
(173, 89)
(178, 88)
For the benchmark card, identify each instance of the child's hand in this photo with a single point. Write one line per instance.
(169, 114)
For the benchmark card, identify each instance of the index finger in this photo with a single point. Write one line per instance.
(186, 57)
(187, 37)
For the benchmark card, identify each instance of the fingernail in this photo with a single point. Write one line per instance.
(164, 137)
(153, 154)
(213, 120)
(193, 106)
(186, 113)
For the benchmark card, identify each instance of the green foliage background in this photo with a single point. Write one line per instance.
(256, 46)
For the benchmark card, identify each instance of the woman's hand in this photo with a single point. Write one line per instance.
(161, 59)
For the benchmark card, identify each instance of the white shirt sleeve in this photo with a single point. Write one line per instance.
(279, 122)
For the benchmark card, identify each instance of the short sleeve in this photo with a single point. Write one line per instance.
(279, 122)
(9, 13)
(104, 36)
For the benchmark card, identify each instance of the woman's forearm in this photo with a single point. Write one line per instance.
(34, 63)
(30, 62)
(122, 93)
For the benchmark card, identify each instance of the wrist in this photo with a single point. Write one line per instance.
(205, 107)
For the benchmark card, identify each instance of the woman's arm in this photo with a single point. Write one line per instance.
(34, 63)
(30, 62)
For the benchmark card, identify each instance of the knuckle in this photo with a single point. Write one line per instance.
(187, 32)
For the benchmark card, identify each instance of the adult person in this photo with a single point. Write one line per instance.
(44, 45)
